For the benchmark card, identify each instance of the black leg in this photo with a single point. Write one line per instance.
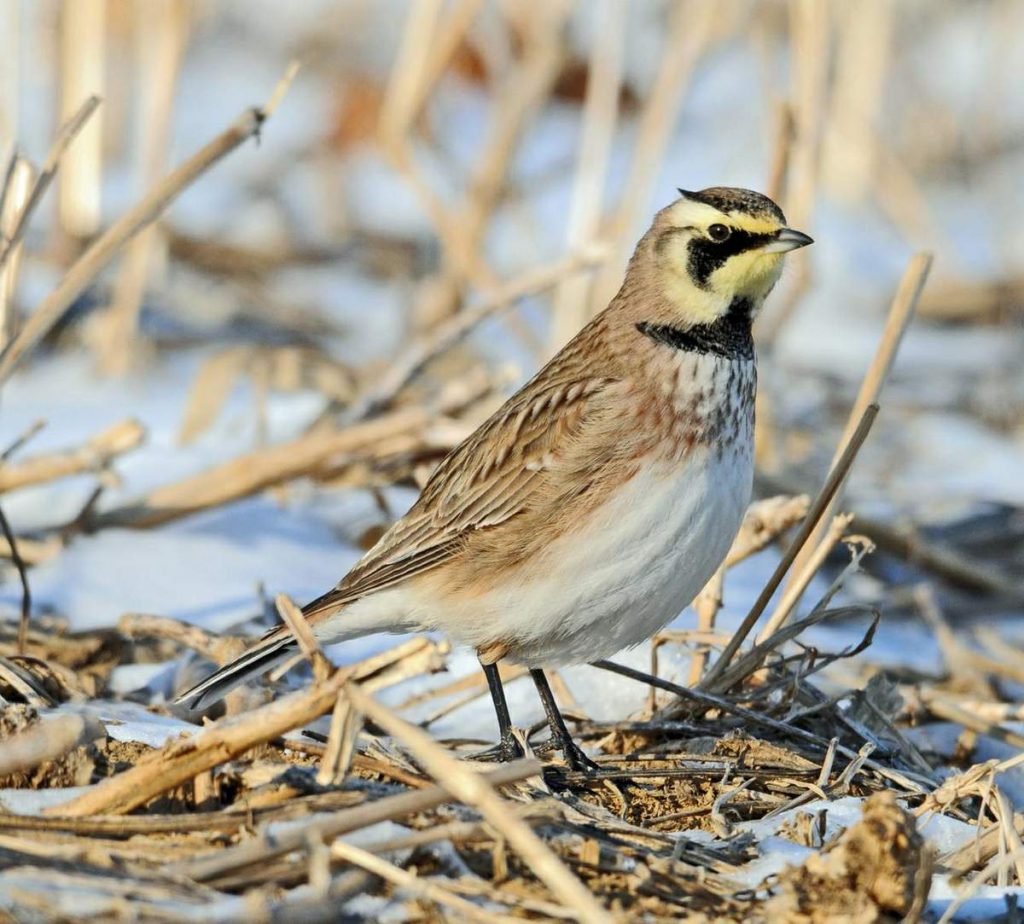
(509, 747)
(574, 755)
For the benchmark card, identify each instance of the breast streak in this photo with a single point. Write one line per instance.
(640, 558)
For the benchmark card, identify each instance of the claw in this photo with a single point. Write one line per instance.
(578, 760)
(510, 749)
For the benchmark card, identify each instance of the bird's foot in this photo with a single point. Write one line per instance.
(509, 748)
(578, 760)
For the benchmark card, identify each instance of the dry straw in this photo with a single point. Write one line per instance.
(753, 738)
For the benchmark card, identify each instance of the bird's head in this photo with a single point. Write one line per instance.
(712, 247)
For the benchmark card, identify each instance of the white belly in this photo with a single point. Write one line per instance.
(624, 574)
(614, 580)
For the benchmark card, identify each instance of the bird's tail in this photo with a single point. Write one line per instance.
(272, 650)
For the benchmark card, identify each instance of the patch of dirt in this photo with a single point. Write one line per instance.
(75, 768)
(878, 870)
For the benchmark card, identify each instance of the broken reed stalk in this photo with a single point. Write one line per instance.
(26, 592)
(474, 790)
(901, 312)
(292, 616)
(65, 136)
(182, 759)
(108, 244)
(821, 503)
(264, 468)
(341, 743)
(706, 605)
(92, 456)
(218, 648)
(414, 885)
(267, 846)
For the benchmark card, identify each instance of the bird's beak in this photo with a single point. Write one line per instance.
(787, 239)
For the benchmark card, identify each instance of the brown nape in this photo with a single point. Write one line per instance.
(734, 199)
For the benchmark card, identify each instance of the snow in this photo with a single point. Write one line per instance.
(36, 801)
(125, 721)
(217, 569)
(207, 569)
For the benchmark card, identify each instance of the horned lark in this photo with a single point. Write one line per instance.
(601, 497)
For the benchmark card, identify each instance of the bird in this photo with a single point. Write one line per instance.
(593, 506)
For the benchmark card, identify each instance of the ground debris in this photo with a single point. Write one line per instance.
(876, 871)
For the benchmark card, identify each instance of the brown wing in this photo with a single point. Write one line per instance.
(484, 482)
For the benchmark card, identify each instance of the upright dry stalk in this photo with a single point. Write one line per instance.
(862, 58)
(65, 135)
(689, 35)
(706, 605)
(803, 576)
(810, 56)
(160, 31)
(461, 230)
(82, 53)
(15, 198)
(901, 312)
(600, 113)
(837, 475)
(810, 34)
(428, 43)
(404, 94)
(10, 84)
(782, 149)
(473, 789)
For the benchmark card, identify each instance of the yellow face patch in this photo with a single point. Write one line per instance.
(751, 274)
(701, 276)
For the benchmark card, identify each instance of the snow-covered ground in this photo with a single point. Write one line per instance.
(930, 454)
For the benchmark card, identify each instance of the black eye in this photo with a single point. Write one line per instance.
(719, 233)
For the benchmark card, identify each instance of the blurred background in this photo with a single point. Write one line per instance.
(259, 382)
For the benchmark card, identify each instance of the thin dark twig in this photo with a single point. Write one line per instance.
(20, 442)
(757, 718)
(26, 593)
(820, 505)
(752, 660)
